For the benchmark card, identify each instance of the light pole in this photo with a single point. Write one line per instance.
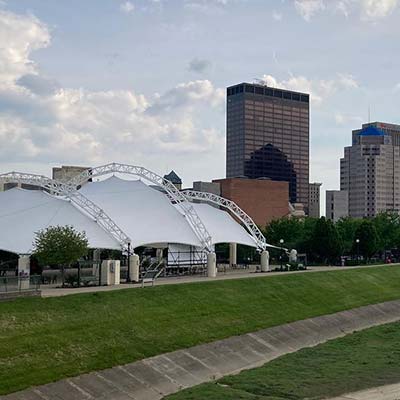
(358, 249)
(128, 272)
(281, 242)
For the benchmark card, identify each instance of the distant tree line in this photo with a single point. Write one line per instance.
(325, 242)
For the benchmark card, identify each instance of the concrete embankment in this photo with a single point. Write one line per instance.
(387, 392)
(158, 376)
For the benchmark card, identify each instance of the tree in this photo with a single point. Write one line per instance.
(288, 229)
(304, 243)
(387, 225)
(368, 239)
(347, 228)
(60, 246)
(325, 241)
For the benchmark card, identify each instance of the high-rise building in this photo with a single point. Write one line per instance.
(336, 204)
(370, 172)
(314, 200)
(268, 136)
(392, 130)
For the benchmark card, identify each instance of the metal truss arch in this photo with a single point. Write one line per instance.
(233, 208)
(62, 189)
(174, 195)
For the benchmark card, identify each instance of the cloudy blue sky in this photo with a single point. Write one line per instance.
(143, 81)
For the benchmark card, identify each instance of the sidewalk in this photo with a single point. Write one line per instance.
(233, 274)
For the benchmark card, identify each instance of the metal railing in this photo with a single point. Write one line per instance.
(18, 284)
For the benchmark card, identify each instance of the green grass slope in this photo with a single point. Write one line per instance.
(43, 340)
(359, 361)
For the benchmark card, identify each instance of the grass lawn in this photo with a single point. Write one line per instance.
(43, 340)
(359, 361)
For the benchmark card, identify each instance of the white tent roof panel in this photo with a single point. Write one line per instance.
(143, 213)
(221, 226)
(25, 212)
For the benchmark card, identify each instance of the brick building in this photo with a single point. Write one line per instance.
(262, 199)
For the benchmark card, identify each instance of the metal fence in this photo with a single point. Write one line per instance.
(17, 284)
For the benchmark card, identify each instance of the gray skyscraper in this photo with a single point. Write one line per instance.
(370, 171)
(268, 136)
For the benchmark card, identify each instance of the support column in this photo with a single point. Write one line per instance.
(159, 254)
(24, 271)
(211, 265)
(134, 268)
(265, 261)
(110, 272)
(232, 254)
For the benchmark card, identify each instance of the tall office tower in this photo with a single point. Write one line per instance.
(392, 130)
(268, 136)
(370, 172)
(314, 200)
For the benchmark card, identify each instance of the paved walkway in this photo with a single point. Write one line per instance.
(51, 291)
(156, 377)
(388, 392)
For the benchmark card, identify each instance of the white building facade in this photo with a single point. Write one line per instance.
(370, 173)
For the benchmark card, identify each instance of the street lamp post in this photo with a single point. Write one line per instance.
(281, 256)
(358, 250)
(128, 272)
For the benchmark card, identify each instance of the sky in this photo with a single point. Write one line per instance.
(143, 81)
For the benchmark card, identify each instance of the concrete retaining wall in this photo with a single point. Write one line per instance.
(156, 377)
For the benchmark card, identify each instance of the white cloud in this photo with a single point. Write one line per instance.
(308, 8)
(397, 87)
(348, 81)
(43, 122)
(199, 65)
(344, 7)
(127, 7)
(377, 9)
(319, 89)
(277, 16)
(346, 119)
(19, 36)
(369, 10)
(206, 6)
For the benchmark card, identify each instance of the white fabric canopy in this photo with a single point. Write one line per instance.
(25, 212)
(221, 226)
(143, 213)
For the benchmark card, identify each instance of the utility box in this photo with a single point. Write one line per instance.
(134, 268)
(110, 272)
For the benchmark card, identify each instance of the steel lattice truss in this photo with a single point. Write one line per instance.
(181, 199)
(70, 192)
(174, 195)
(232, 208)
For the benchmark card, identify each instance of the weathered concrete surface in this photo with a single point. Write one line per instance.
(156, 377)
(388, 392)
